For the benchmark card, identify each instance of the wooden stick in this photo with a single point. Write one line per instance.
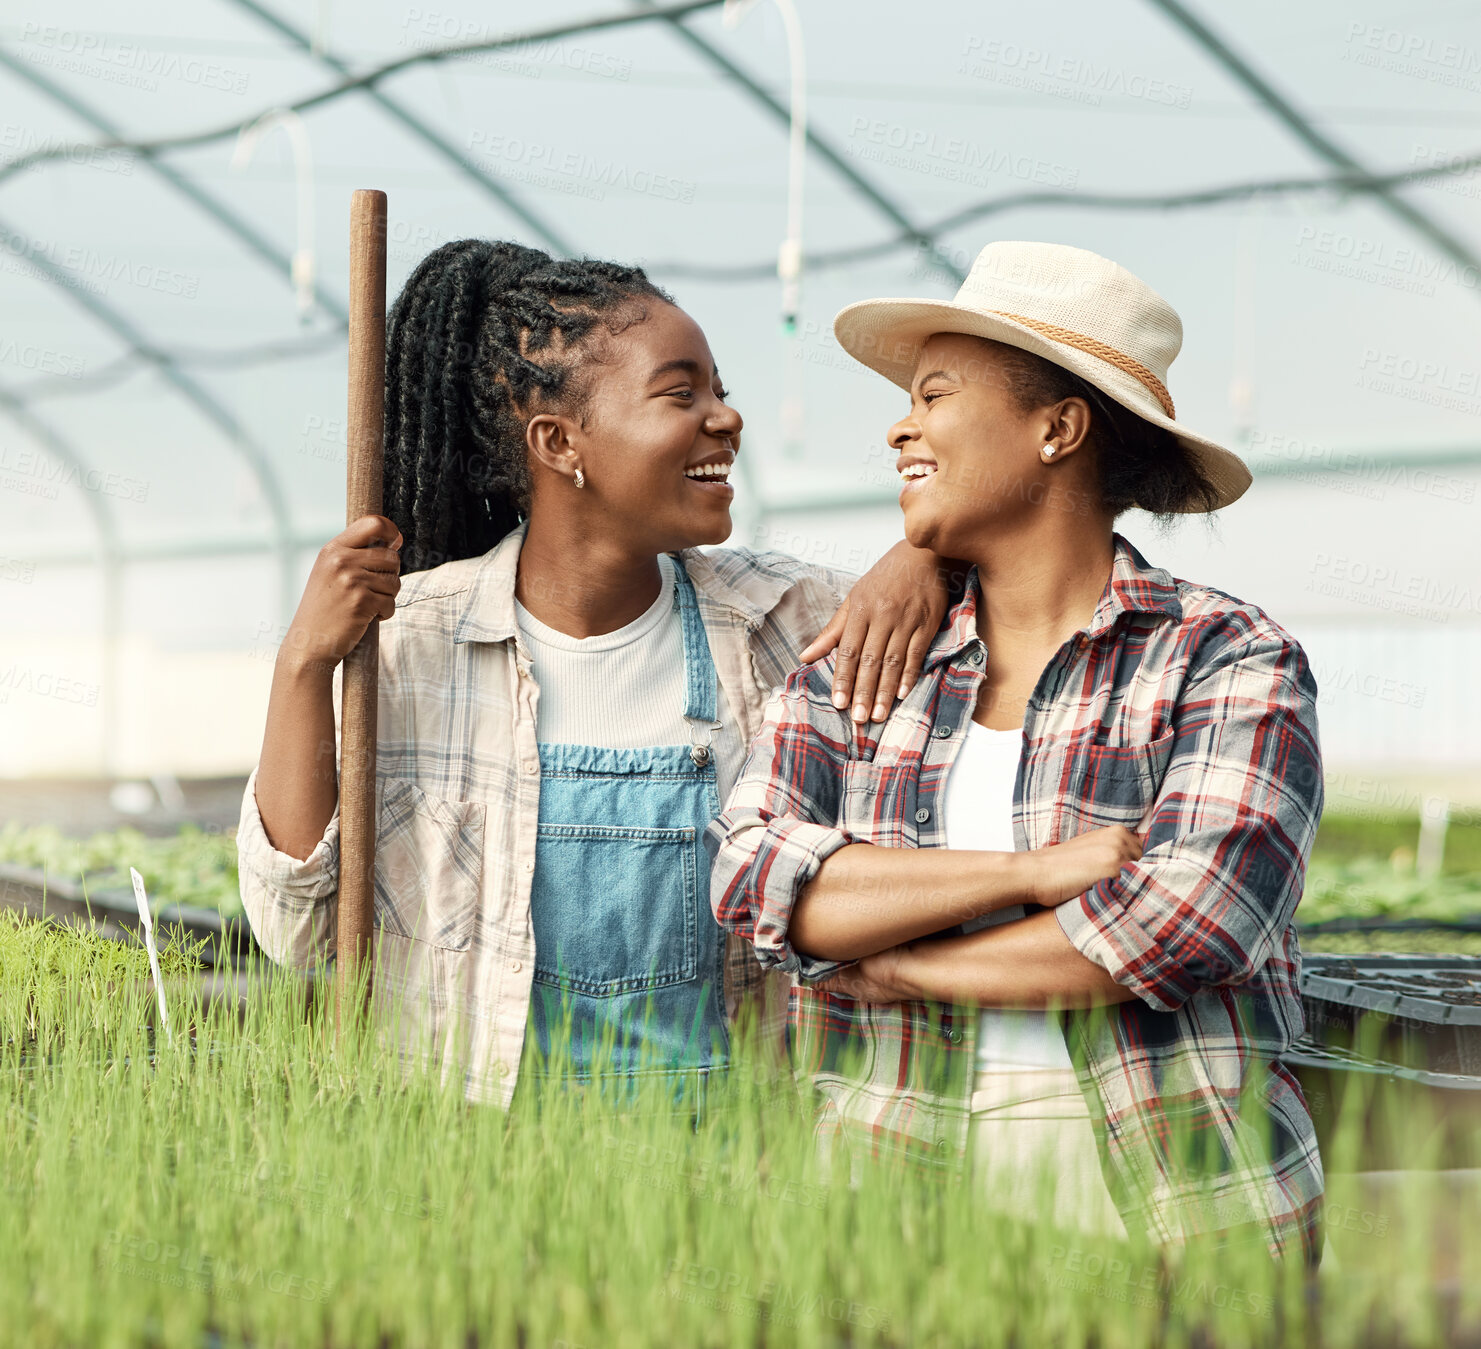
(365, 428)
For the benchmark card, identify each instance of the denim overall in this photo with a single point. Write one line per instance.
(625, 942)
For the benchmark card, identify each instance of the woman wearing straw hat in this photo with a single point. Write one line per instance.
(1045, 908)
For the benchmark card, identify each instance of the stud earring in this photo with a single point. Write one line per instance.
(580, 478)
(1048, 451)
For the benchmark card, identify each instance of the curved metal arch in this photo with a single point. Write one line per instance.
(881, 202)
(450, 152)
(352, 83)
(1300, 126)
(223, 215)
(110, 561)
(221, 417)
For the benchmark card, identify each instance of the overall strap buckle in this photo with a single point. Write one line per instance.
(702, 736)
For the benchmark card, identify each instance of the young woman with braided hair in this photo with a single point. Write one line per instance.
(567, 683)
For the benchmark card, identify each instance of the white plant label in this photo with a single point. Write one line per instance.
(142, 900)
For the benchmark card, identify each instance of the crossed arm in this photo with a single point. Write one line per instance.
(1206, 902)
(1026, 963)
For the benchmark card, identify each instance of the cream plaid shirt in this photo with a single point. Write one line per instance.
(458, 789)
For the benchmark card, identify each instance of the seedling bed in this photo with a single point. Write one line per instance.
(228, 941)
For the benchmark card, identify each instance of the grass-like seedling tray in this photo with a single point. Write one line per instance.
(257, 1180)
(223, 940)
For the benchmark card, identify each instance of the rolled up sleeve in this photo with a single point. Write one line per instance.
(780, 823)
(291, 903)
(1224, 861)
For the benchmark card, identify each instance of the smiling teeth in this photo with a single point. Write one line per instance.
(721, 471)
(912, 471)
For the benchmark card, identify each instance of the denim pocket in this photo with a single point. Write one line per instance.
(428, 863)
(615, 908)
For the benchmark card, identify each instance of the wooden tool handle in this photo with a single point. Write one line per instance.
(365, 429)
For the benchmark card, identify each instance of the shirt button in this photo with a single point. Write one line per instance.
(974, 656)
(529, 866)
(942, 731)
(922, 815)
(501, 1068)
(531, 766)
(955, 1036)
(515, 966)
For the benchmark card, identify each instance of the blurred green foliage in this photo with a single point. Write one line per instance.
(1341, 836)
(1364, 867)
(193, 866)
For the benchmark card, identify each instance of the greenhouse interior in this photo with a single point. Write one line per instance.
(178, 448)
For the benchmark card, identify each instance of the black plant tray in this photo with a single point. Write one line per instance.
(1387, 923)
(1412, 1011)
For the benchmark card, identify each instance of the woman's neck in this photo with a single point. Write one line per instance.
(1034, 596)
(581, 585)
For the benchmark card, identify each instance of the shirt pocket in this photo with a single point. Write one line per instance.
(877, 803)
(428, 865)
(1119, 783)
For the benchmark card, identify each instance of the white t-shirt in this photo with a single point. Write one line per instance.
(978, 814)
(624, 689)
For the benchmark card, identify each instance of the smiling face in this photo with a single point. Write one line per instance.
(654, 439)
(970, 453)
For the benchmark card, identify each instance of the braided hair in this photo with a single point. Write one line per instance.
(483, 335)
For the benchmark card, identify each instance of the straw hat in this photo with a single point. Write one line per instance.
(1068, 305)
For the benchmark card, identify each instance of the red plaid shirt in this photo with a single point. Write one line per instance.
(1178, 708)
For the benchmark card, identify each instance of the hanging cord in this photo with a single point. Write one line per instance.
(303, 173)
